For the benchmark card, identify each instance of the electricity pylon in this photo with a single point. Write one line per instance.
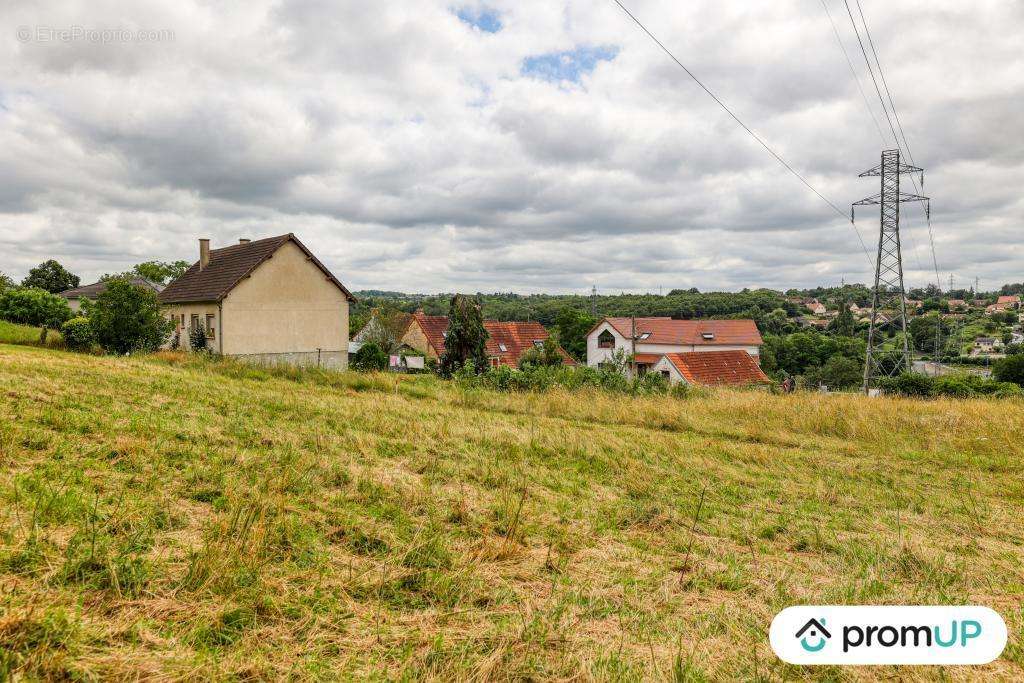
(888, 351)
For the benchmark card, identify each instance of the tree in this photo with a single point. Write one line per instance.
(197, 338)
(161, 272)
(127, 318)
(572, 326)
(385, 328)
(546, 355)
(370, 357)
(838, 372)
(5, 283)
(844, 324)
(77, 334)
(1010, 369)
(465, 344)
(926, 332)
(51, 277)
(36, 307)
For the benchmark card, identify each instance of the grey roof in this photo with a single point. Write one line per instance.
(95, 289)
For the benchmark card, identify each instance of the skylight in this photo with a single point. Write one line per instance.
(708, 335)
(645, 335)
(538, 343)
(502, 348)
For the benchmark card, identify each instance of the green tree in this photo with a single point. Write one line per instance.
(572, 326)
(370, 358)
(547, 354)
(5, 283)
(1010, 369)
(161, 272)
(465, 344)
(51, 276)
(838, 372)
(926, 332)
(844, 324)
(36, 307)
(127, 318)
(77, 334)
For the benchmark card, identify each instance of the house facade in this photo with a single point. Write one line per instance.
(76, 296)
(655, 337)
(711, 368)
(269, 300)
(507, 341)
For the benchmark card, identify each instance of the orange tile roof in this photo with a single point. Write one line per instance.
(717, 367)
(1010, 299)
(515, 336)
(690, 332)
(650, 358)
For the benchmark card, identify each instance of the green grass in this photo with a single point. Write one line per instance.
(169, 517)
(11, 333)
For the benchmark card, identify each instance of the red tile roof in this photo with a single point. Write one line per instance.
(516, 337)
(689, 332)
(717, 367)
(649, 358)
(1010, 299)
(228, 266)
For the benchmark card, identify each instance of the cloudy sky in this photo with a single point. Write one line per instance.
(506, 145)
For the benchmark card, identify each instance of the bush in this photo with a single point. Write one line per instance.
(36, 307)
(546, 377)
(370, 358)
(77, 334)
(957, 386)
(128, 318)
(197, 338)
(907, 384)
(1010, 369)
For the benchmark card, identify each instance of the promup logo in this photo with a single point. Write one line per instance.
(888, 635)
(816, 632)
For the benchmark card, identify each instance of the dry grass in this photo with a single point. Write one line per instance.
(171, 519)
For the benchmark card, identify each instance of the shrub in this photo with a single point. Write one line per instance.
(957, 386)
(36, 307)
(1010, 369)
(369, 358)
(77, 334)
(197, 338)
(907, 384)
(127, 318)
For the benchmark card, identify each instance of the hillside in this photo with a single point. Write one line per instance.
(164, 517)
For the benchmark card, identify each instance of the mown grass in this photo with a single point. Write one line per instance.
(11, 333)
(168, 517)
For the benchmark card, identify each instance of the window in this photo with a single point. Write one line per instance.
(210, 328)
(502, 348)
(708, 335)
(194, 320)
(539, 343)
(606, 340)
(645, 335)
(666, 374)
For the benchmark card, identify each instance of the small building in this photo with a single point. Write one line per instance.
(1009, 300)
(956, 304)
(712, 368)
(652, 338)
(269, 300)
(90, 292)
(817, 308)
(507, 341)
(986, 345)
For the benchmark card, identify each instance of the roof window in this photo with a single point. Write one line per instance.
(502, 348)
(708, 335)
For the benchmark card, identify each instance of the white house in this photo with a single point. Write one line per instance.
(652, 338)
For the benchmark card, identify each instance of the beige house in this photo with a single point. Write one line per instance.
(268, 300)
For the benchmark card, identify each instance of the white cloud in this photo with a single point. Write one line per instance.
(416, 151)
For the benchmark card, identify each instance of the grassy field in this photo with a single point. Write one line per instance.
(11, 333)
(176, 519)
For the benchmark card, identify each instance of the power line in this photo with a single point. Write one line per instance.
(747, 128)
(853, 71)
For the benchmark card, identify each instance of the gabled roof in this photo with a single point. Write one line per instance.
(688, 332)
(1008, 299)
(230, 265)
(717, 367)
(95, 289)
(515, 337)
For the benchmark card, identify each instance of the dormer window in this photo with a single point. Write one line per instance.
(708, 336)
(606, 340)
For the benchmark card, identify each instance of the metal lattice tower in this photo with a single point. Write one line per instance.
(888, 351)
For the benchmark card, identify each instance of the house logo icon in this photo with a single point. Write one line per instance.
(815, 632)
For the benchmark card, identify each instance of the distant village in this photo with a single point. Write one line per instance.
(272, 300)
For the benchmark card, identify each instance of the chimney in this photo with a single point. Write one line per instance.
(244, 240)
(204, 252)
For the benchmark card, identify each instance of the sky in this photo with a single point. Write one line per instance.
(509, 145)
